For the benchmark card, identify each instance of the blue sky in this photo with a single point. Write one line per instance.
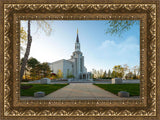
(100, 50)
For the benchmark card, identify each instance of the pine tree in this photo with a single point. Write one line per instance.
(109, 73)
(104, 75)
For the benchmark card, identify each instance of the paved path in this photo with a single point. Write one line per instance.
(79, 91)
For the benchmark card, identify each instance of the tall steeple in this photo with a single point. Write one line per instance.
(77, 40)
(77, 44)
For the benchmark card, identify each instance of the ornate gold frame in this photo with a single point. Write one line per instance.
(148, 12)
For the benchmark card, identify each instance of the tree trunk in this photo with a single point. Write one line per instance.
(26, 53)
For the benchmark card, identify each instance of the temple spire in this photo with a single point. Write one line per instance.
(77, 44)
(77, 40)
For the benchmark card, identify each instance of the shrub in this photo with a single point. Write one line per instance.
(25, 80)
(70, 76)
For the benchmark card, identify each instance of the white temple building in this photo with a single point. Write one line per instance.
(73, 66)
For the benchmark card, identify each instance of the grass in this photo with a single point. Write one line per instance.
(47, 88)
(133, 89)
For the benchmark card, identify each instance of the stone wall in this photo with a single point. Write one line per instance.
(67, 65)
(62, 65)
(55, 66)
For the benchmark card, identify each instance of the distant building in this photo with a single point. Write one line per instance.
(74, 66)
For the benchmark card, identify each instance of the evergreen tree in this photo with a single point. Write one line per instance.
(104, 75)
(109, 73)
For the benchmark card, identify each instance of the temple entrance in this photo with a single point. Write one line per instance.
(86, 76)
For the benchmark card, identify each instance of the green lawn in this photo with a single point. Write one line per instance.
(47, 88)
(133, 89)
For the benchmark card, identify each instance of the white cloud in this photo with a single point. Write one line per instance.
(118, 52)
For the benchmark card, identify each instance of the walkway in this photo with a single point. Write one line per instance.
(79, 91)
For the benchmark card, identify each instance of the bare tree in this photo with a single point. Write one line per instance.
(41, 24)
(26, 53)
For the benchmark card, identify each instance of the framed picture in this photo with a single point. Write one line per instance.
(87, 69)
(80, 60)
